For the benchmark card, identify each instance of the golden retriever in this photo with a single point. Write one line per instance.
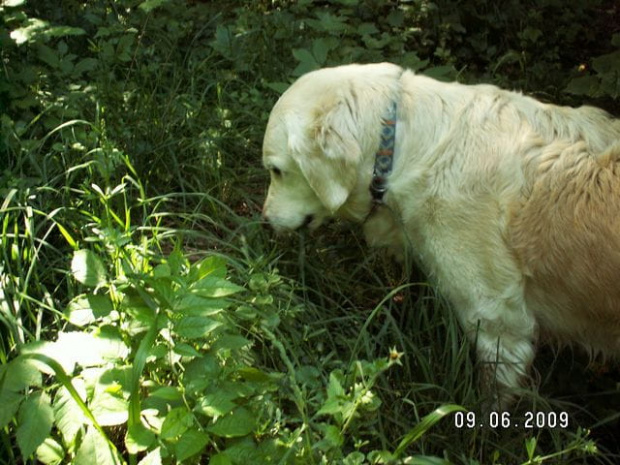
(511, 206)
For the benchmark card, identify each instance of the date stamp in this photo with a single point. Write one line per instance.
(505, 420)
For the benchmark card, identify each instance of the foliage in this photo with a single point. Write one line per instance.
(144, 317)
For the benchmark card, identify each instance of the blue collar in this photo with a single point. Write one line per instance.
(385, 155)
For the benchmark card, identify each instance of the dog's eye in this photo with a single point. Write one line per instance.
(277, 172)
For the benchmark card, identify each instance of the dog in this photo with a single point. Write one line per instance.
(511, 206)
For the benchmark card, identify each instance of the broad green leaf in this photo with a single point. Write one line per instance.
(239, 422)
(138, 439)
(608, 63)
(177, 421)
(217, 403)
(306, 58)
(68, 415)
(109, 409)
(190, 443)
(142, 316)
(196, 305)
(20, 374)
(333, 406)
(87, 308)
(192, 327)
(35, 419)
(87, 64)
(152, 458)
(186, 350)
(320, 48)
(329, 22)
(82, 348)
(583, 85)
(231, 342)
(335, 389)
(213, 286)
(95, 450)
(220, 459)
(88, 269)
(333, 436)
(50, 452)
(168, 393)
(9, 400)
(63, 31)
(211, 266)
(48, 55)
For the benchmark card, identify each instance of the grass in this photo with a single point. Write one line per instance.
(157, 175)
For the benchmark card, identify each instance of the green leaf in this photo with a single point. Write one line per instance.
(50, 452)
(217, 404)
(86, 309)
(109, 409)
(328, 22)
(94, 350)
(10, 403)
(608, 63)
(150, 5)
(335, 389)
(307, 62)
(425, 424)
(193, 327)
(152, 458)
(186, 350)
(320, 48)
(190, 443)
(231, 342)
(220, 459)
(87, 64)
(48, 55)
(583, 85)
(210, 266)
(169, 393)
(530, 447)
(68, 415)
(20, 374)
(239, 422)
(63, 31)
(35, 419)
(88, 268)
(196, 305)
(213, 286)
(95, 450)
(333, 436)
(177, 421)
(138, 438)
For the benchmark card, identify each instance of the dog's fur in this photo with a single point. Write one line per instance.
(511, 206)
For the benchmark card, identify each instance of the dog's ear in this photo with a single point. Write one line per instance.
(331, 165)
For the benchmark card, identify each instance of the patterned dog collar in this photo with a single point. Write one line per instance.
(385, 155)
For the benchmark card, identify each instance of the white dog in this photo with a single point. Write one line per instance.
(510, 205)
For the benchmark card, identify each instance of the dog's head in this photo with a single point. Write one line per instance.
(316, 140)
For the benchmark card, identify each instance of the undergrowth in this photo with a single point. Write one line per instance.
(147, 316)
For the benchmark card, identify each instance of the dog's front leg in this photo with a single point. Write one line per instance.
(504, 358)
